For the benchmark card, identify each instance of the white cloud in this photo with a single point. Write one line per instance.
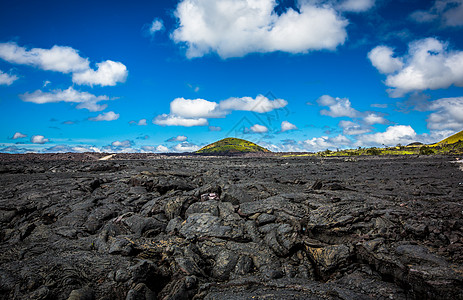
(236, 28)
(428, 65)
(155, 26)
(141, 122)
(356, 5)
(39, 139)
(186, 147)
(162, 149)
(397, 134)
(257, 128)
(158, 149)
(65, 60)
(448, 114)
(122, 144)
(85, 99)
(7, 79)
(338, 107)
(186, 112)
(92, 106)
(197, 108)
(58, 58)
(260, 104)
(18, 135)
(82, 149)
(286, 126)
(108, 116)
(351, 128)
(372, 118)
(109, 73)
(172, 120)
(322, 143)
(179, 138)
(448, 12)
(381, 58)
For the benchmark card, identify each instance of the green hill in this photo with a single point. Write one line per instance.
(230, 146)
(452, 139)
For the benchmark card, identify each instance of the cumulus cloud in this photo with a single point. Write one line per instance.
(7, 79)
(108, 73)
(397, 134)
(179, 138)
(186, 112)
(286, 126)
(108, 116)
(162, 149)
(448, 12)
(197, 108)
(65, 60)
(85, 99)
(356, 5)
(58, 58)
(338, 107)
(122, 144)
(382, 59)
(18, 135)
(351, 128)
(39, 139)
(372, 118)
(429, 64)
(447, 115)
(14, 149)
(322, 143)
(236, 28)
(73, 149)
(257, 128)
(186, 147)
(172, 120)
(260, 104)
(152, 149)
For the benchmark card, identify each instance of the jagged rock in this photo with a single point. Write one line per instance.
(225, 262)
(207, 225)
(137, 228)
(174, 206)
(140, 292)
(276, 203)
(209, 206)
(84, 293)
(329, 257)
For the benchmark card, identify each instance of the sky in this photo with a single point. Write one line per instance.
(175, 75)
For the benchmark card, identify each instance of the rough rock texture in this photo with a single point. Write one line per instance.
(231, 228)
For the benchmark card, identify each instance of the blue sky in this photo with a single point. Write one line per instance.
(172, 76)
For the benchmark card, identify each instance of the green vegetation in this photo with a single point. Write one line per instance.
(230, 146)
(457, 137)
(450, 145)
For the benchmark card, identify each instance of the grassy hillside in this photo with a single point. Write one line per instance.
(452, 139)
(232, 145)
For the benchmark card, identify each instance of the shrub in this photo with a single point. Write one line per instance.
(426, 150)
(373, 151)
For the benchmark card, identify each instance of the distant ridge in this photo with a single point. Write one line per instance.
(231, 146)
(452, 139)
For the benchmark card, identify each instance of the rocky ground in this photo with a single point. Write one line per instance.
(230, 228)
